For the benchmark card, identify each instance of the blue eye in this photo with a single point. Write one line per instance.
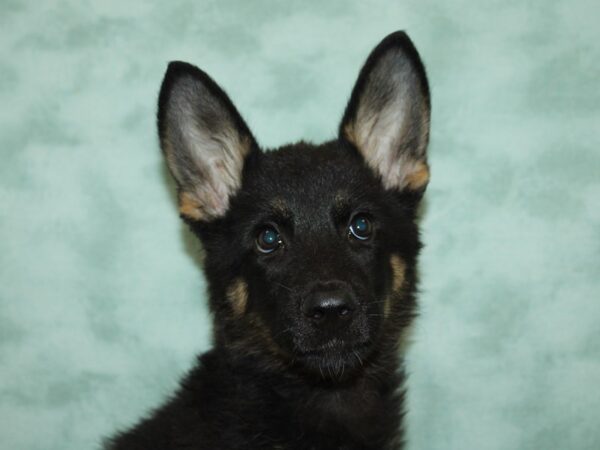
(268, 240)
(360, 227)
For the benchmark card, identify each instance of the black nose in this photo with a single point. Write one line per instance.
(328, 306)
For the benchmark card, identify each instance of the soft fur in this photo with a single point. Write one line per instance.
(307, 338)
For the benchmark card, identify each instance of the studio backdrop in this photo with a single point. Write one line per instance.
(102, 299)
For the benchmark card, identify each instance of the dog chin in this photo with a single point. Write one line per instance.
(334, 360)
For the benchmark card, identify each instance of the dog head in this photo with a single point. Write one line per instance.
(310, 249)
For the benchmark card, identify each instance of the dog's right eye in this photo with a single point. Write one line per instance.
(268, 240)
(360, 227)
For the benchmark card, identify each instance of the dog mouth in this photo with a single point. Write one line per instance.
(335, 359)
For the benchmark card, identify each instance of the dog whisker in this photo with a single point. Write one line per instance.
(360, 361)
(283, 286)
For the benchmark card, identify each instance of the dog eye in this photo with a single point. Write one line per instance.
(268, 240)
(360, 227)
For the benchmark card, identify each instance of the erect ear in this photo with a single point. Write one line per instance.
(387, 117)
(204, 139)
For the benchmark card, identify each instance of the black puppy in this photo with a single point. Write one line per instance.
(311, 263)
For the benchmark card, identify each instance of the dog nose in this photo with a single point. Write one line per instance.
(328, 306)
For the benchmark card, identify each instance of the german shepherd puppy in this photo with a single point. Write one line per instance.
(310, 257)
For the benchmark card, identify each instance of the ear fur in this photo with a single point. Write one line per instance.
(387, 117)
(204, 139)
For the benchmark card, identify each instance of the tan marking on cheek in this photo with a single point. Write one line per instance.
(387, 307)
(262, 332)
(419, 177)
(237, 294)
(398, 274)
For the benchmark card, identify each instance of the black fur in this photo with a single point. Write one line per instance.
(284, 373)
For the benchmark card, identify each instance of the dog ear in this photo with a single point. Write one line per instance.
(204, 139)
(387, 117)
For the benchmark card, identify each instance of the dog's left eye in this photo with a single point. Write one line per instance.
(268, 240)
(360, 227)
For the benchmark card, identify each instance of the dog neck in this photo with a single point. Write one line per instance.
(362, 410)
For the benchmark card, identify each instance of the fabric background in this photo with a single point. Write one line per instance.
(101, 296)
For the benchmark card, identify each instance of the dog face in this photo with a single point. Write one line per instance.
(310, 250)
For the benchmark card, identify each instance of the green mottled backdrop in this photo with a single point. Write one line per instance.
(101, 296)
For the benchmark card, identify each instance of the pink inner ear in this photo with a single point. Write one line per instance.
(205, 142)
(389, 123)
(397, 171)
(214, 173)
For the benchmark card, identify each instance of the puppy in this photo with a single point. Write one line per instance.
(310, 257)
